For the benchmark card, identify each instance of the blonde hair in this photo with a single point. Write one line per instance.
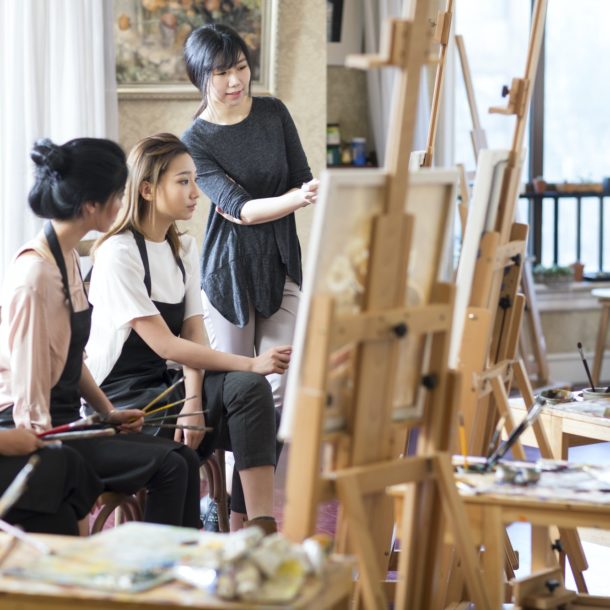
(147, 162)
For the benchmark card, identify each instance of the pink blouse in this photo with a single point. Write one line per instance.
(35, 331)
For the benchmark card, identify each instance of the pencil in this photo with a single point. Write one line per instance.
(169, 406)
(463, 444)
(157, 398)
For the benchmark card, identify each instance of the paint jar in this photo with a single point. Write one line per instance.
(359, 151)
(556, 396)
(333, 155)
(599, 394)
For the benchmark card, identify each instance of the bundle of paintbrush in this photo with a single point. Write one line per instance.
(164, 421)
(96, 425)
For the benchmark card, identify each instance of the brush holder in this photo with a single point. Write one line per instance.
(599, 394)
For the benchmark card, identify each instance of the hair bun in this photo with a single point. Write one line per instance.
(50, 157)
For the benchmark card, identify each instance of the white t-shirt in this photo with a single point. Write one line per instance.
(118, 293)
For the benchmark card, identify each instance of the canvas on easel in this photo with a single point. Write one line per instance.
(338, 266)
(349, 370)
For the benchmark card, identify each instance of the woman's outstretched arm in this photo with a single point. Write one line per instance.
(156, 334)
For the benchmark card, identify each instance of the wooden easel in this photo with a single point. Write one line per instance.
(489, 360)
(441, 36)
(363, 459)
(534, 342)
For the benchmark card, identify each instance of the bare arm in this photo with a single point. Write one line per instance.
(192, 330)
(156, 334)
(257, 211)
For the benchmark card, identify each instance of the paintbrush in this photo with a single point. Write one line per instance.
(169, 406)
(503, 448)
(496, 435)
(18, 485)
(15, 532)
(96, 418)
(80, 434)
(162, 394)
(180, 427)
(584, 361)
(164, 417)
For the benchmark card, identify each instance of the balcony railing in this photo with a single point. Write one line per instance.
(567, 228)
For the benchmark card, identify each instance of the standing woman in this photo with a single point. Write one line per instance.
(251, 165)
(45, 326)
(147, 310)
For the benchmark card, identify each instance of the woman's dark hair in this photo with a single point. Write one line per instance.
(212, 47)
(68, 175)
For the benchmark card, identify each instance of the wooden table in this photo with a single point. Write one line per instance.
(489, 514)
(333, 591)
(567, 425)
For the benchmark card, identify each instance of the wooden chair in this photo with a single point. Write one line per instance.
(125, 508)
(603, 295)
(214, 470)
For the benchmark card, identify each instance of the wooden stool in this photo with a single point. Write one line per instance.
(603, 295)
(124, 506)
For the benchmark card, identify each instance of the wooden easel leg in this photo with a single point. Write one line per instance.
(600, 344)
(493, 557)
(370, 577)
(456, 517)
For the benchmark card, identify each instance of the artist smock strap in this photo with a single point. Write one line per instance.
(65, 394)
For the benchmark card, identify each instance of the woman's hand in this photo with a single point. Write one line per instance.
(19, 442)
(191, 438)
(127, 420)
(274, 360)
(309, 191)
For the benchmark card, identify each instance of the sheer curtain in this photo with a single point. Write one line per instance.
(56, 80)
(381, 82)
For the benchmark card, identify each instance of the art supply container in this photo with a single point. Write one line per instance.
(556, 396)
(599, 394)
(359, 151)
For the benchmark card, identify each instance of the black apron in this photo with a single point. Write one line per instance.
(42, 497)
(125, 462)
(140, 374)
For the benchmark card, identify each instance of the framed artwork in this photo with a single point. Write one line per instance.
(338, 259)
(149, 38)
(344, 29)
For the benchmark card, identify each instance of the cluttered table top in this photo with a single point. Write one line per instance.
(145, 566)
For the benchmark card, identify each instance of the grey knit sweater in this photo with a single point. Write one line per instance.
(259, 157)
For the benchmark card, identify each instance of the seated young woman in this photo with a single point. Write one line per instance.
(47, 508)
(148, 310)
(45, 325)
